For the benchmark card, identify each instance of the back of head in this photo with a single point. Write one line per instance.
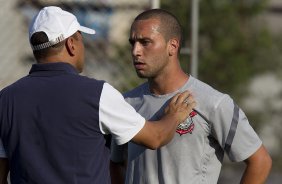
(50, 27)
(40, 38)
(170, 26)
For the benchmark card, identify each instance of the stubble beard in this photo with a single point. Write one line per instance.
(141, 75)
(146, 75)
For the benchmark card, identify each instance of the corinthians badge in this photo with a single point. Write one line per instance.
(188, 125)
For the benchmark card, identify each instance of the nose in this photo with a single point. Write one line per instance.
(136, 49)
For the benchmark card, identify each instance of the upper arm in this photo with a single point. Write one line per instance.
(259, 157)
(117, 117)
(233, 131)
(258, 167)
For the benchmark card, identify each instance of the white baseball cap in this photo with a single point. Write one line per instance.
(57, 24)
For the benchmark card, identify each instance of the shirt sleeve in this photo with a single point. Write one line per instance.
(233, 131)
(2, 150)
(117, 117)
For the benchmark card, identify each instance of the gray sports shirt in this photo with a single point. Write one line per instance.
(196, 152)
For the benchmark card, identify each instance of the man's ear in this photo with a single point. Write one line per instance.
(173, 46)
(70, 46)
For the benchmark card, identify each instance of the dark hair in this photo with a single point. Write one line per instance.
(41, 37)
(170, 26)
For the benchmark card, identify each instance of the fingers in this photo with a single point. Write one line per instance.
(188, 100)
(191, 103)
(180, 97)
(181, 105)
(184, 99)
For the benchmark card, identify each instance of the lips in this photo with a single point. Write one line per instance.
(139, 65)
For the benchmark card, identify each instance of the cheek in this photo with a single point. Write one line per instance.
(156, 52)
(159, 48)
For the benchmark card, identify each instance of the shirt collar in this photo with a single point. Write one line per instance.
(52, 68)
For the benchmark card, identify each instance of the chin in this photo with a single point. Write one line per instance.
(140, 75)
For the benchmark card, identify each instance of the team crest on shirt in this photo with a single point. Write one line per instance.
(188, 125)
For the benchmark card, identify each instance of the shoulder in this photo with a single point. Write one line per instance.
(206, 93)
(135, 97)
(14, 87)
(88, 79)
(208, 98)
(137, 92)
(86, 83)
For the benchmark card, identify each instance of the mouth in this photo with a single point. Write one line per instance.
(138, 65)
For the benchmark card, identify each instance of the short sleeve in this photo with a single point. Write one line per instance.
(233, 131)
(117, 117)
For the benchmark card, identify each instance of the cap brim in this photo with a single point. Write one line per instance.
(87, 30)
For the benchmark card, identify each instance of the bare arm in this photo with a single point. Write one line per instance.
(4, 170)
(155, 134)
(258, 167)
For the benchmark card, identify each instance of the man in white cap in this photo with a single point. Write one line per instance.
(53, 122)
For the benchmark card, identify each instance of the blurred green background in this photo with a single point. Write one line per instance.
(239, 53)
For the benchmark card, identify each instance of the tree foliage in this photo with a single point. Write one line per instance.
(232, 42)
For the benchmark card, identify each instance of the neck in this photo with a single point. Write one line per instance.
(168, 83)
(59, 58)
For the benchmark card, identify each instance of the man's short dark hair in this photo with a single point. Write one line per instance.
(41, 37)
(170, 26)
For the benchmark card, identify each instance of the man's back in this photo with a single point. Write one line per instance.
(51, 130)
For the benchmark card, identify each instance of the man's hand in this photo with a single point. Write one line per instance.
(155, 134)
(158, 133)
(180, 106)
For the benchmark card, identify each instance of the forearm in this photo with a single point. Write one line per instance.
(4, 170)
(165, 129)
(157, 133)
(258, 168)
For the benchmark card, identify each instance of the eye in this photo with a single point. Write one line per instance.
(145, 42)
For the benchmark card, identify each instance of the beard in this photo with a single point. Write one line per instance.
(141, 75)
(146, 74)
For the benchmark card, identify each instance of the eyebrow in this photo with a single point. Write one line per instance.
(138, 39)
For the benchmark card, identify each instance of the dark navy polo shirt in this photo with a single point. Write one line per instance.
(49, 124)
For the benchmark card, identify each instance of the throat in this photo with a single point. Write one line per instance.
(166, 86)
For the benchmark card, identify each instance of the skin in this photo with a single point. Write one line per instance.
(258, 167)
(157, 60)
(154, 134)
(72, 53)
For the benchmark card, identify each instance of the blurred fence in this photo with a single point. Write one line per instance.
(107, 53)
